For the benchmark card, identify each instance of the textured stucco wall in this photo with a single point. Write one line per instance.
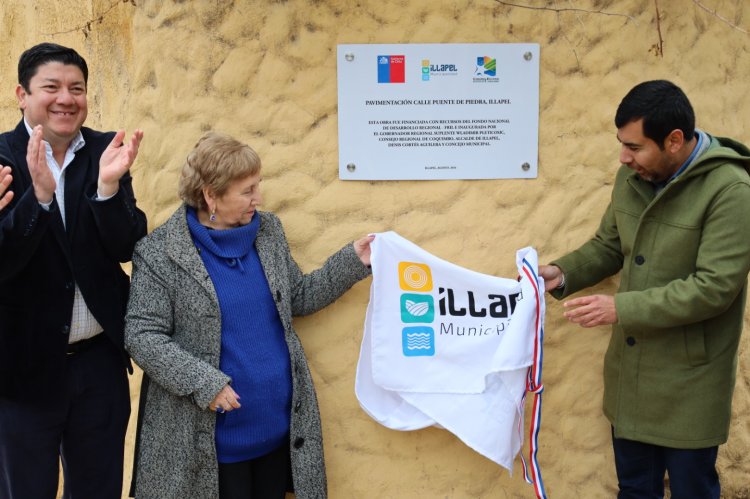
(266, 73)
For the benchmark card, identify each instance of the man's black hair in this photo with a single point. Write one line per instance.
(662, 105)
(32, 58)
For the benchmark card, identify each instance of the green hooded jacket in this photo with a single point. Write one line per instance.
(684, 253)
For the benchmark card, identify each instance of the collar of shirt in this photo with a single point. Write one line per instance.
(75, 145)
(700, 146)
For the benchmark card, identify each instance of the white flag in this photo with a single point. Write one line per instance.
(449, 347)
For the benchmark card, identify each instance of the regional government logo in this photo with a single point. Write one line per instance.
(486, 66)
(486, 70)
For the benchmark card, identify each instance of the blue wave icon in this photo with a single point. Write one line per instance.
(418, 341)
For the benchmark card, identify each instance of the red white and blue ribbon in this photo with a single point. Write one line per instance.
(532, 472)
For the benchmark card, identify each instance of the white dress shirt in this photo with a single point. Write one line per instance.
(83, 325)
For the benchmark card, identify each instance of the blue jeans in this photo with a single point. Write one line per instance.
(641, 468)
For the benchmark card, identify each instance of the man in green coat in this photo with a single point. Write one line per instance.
(676, 227)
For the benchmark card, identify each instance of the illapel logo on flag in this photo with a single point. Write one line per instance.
(450, 347)
(414, 276)
(417, 308)
(391, 69)
(417, 341)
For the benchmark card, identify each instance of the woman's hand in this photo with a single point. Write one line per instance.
(226, 400)
(362, 248)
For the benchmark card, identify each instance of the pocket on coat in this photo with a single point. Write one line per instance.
(15, 337)
(695, 344)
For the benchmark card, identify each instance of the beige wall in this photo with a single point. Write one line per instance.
(266, 73)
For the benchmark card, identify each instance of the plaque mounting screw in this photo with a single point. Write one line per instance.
(351, 167)
(527, 56)
(349, 57)
(525, 167)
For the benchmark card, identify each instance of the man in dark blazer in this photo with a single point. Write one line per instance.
(72, 219)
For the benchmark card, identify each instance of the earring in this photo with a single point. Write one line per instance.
(212, 217)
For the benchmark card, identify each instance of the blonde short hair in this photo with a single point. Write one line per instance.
(216, 161)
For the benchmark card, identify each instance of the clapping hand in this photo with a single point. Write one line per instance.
(116, 160)
(36, 158)
(5, 179)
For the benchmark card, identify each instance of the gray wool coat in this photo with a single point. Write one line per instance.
(173, 332)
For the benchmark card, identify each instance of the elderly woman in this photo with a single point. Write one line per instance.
(230, 410)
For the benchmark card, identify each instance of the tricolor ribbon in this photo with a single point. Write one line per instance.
(534, 385)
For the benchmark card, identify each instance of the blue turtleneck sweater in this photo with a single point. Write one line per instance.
(253, 350)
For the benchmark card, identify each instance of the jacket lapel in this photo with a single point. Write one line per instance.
(183, 252)
(267, 247)
(75, 183)
(18, 144)
(644, 188)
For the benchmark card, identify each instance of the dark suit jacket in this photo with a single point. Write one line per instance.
(40, 259)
